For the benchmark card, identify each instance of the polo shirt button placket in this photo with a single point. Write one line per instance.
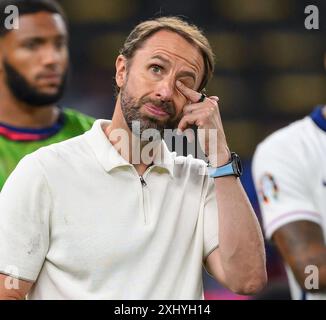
(144, 198)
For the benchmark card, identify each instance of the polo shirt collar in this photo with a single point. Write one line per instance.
(109, 157)
(318, 117)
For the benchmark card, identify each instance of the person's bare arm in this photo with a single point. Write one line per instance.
(239, 262)
(13, 289)
(301, 244)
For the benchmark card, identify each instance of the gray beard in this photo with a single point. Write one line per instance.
(138, 123)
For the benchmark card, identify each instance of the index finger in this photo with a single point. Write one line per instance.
(192, 95)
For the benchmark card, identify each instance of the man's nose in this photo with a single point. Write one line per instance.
(50, 55)
(165, 89)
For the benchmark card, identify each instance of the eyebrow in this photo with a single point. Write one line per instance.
(39, 38)
(180, 74)
(157, 56)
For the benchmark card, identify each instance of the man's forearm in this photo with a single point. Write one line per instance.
(241, 242)
(302, 246)
(18, 292)
(316, 274)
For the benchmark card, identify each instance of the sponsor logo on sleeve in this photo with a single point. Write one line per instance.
(268, 188)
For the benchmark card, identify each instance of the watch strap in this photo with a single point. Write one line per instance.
(226, 170)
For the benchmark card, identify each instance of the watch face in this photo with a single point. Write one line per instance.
(237, 165)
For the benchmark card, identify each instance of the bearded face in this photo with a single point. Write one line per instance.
(35, 59)
(147, 81)
(133, 110)
(24, 91)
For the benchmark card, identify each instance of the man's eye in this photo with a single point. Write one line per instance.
(188, 83)
(31, 45)
(60, 44)
(156, 69)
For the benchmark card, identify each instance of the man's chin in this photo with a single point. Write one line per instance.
(153, 123)
(42, 98)
(48, 91)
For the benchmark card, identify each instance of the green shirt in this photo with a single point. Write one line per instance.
(15, 143)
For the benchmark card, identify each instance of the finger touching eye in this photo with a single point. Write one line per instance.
(188, 82)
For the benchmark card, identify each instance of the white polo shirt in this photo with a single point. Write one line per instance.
(75, 218)
(289, 170)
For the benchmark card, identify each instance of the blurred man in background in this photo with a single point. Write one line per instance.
(289, 171)
(33, 72)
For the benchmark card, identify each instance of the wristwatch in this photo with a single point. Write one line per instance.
(232, 168)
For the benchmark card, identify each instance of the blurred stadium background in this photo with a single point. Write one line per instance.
(269, 72)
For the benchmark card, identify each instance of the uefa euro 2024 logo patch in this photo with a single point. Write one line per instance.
(268, 189)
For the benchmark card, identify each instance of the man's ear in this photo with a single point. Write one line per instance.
(121, 70)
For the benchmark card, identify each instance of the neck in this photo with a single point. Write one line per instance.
(19, 114)
(129, 145)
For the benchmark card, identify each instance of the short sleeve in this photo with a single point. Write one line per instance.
(210, 220)
(24, 221)
(280, 180)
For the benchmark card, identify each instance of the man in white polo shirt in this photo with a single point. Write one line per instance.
(289, 170)
(89, 219)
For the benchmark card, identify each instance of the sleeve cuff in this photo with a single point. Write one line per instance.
(210, 246)
(289, 217)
